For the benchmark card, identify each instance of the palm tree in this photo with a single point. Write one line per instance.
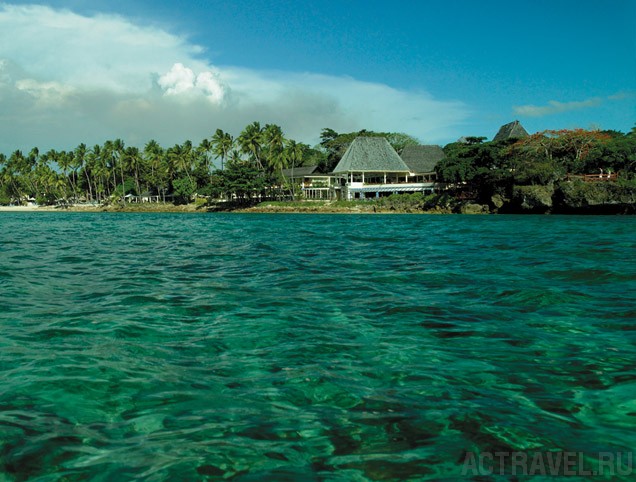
(250, 142)
(154, 157)
(110, 164)
(14, 175)
(132, 159)
(47, 182)
(234, 156)
(274, 143)
(293, 152)
(205, 148)
(90, 164)
(77, 162)
(26, 166)
(222, 144)
(65, 161)
(118, 152)
(102, 173)
(180, 157)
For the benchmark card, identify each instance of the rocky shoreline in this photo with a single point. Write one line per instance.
(569, 198)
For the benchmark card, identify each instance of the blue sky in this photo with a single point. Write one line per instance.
(87, 71)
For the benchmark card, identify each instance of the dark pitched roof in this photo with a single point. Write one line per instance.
(371, 154)
(422, 158)
(514, 130)
(301, 171)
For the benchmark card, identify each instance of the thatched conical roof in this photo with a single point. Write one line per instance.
(422, 158)
(513, 130)
(370, 154)
(301, 171)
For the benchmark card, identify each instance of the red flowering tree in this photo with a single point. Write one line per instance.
(551, 154)
(579, 144)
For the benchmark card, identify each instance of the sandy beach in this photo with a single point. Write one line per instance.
(146, 207)
(23, 208)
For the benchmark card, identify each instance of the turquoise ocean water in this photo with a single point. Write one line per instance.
(302, 347)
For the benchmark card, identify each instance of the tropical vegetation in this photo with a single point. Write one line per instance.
(252, 166)
(479, 170)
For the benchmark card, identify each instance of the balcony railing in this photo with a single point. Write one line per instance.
(388, 182)
(600, 177)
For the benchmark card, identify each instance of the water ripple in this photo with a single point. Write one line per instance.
(177, 347)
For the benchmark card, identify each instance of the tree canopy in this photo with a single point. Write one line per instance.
(254, 163)
(539, 159)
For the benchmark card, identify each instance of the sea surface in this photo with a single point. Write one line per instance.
(312, 347)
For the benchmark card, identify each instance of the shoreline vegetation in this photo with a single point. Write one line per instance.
(274, 207)
(551, 172)
(570, 198)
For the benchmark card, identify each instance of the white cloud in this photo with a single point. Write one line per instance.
(182, 80)
(622, 95)
(179, 80)
(208, 83)
(66, 78)
(45, 93)
(556, 107)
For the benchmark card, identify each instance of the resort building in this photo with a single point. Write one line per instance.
(313, 184)
(513, 130)
(421, 160)
(372, 168)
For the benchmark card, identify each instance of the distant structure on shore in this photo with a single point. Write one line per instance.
(371, 168)
(513, 130)
(422, 159)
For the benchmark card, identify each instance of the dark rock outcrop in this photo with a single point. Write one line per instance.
(595, 198)
(534, 199)
(472, 208)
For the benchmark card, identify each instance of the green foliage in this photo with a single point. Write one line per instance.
(184, 188)
(222, 144)
(459, 165)
(617, 155)
(5, 197)
(627, 182)
(127, 188)
(312, 157)
(567, 151)
(483, 167)
(47, 199)
(537, 170)
(490, 168)
(254, 163)
(474, 140)
(578, 194)
(200, 202)
(403, 202)
(240, 179)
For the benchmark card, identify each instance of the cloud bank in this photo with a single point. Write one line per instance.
(66, 78)
(555, 107)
